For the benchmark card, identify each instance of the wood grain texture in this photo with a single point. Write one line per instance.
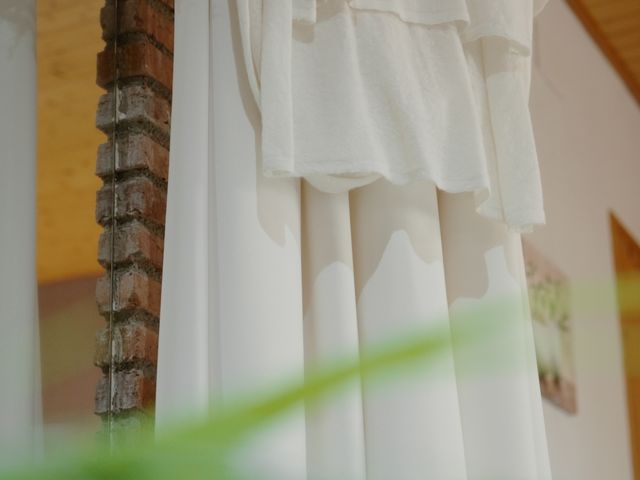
(615, 27)
(68, 39)
(626, 254)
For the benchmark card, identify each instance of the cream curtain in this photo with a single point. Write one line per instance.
(262, 276)
(19, 349)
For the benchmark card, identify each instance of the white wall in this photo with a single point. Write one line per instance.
(588, 132)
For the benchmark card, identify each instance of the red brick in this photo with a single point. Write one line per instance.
(134, 243)
(104, 205)
(143, 57)
(107, 20)
(136, 197)
(139, 197)
(168, 3)
(132, 343)
(133, 291)
(139, 16)
(136, 104)
(138, 291)
(132, 390)
(103, 293)
(136, 151)
(139, 59)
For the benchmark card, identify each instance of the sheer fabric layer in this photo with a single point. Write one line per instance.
(264, 277)
(351, 91)
(509, 19)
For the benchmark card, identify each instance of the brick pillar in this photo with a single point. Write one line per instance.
(141, 56)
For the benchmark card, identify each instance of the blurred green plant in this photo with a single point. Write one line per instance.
(203, 449)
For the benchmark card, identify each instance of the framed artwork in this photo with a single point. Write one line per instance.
(549, 298)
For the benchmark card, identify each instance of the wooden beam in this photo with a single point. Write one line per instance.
(602, 40)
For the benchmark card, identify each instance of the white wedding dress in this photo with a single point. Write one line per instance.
(265, 272)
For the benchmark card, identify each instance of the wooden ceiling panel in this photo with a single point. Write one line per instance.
(69, 37)
(615, 26)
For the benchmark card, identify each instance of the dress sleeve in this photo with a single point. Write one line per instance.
(514, 169)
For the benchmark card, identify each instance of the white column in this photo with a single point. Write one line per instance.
(19, 348)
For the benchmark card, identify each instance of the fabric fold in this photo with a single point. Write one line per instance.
(476, 19)
(354, 90)
(278, 277)
(511, 20)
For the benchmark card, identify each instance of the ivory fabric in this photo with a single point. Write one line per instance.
(264, 276)
(354, 90)
(20, 413)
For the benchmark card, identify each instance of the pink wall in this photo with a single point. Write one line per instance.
(588, 132)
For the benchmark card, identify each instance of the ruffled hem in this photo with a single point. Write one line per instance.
(510, 20)
(467, 64)
(356, 175)
(339, 178)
